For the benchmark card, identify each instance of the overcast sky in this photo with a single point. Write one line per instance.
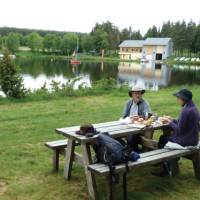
(81, 15)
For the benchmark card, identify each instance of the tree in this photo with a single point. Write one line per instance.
(197, 40)
(136, 35)
(113, 34)
(69, 43)
(1, 42)
(166, 30)
(87, 43)
(13, 42)
(100, 40)
(51, 42)
(152, 32)
(125, 35)
(11, 82)
(35, 41)
(190, 36)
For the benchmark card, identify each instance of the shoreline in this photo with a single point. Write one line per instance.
(91, 58)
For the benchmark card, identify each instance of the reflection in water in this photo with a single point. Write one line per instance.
(185, 74)
(36, 83)
(151, 75)
(36, 71)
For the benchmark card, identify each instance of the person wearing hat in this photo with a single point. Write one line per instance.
(136, 106)
(185, 130)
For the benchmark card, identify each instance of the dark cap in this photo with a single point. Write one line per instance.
(184, 94)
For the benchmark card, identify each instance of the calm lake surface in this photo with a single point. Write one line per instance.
(36, 72)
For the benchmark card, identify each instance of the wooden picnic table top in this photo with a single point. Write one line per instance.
(115, 128)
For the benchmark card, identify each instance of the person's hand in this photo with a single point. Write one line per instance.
(168, 117)
(165, 120)
(134, 118)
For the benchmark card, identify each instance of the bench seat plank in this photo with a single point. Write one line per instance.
(146, 158)
(58, 144)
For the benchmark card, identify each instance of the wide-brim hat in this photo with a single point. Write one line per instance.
(184, 94)
(136, 89)
(87, 130)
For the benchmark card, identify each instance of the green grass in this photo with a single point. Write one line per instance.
(82, 57)
(25, 163)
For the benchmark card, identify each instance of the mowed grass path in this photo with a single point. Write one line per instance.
(25, 163)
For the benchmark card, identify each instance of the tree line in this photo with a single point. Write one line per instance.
(107, 36)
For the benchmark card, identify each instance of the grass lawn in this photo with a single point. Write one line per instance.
(25, 163)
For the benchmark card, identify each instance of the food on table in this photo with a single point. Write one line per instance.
(140, 119)
(149, 122)
(168, 117)
(134, 118)
(164, 119)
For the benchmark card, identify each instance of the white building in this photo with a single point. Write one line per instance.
(150, 49)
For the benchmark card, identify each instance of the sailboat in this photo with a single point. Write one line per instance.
(74, 60)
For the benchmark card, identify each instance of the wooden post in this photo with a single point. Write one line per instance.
(69, 158)
(196, 164)
(102, 54)
(56, 160)
(125, 186)
(147, 141)
(110, 187)
(90, 177)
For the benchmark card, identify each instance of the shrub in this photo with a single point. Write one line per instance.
(11, 82)
(105, 84)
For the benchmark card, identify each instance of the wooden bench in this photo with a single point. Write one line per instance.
(58, 148)
(148, 158)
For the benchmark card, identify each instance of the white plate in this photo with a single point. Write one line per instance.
(137, 125)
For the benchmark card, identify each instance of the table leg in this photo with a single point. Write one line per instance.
(89, 176)
(196, 165)
(69, 158)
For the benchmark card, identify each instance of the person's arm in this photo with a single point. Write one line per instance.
(126, 109)
(147, 108)
(179, 126)
(175, 121)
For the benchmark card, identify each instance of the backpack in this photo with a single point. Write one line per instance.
(111, 152)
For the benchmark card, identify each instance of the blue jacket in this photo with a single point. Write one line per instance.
(186, 128)
(143, 108)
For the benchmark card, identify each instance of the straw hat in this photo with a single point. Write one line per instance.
(136, 88)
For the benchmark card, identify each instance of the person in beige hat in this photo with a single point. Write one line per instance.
(136, 106)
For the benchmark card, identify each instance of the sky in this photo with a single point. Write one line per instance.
(81, 15)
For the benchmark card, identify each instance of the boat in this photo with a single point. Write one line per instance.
(144, 60)
(74, 60)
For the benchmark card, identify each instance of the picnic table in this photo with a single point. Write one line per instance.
(115, 129)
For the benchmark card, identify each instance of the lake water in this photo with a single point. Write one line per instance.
(36, 72)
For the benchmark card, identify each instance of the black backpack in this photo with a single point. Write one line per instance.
(111, 151)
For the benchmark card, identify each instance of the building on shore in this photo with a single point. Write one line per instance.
(148, 49)
(131, 49)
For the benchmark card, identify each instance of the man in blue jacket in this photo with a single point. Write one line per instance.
(136, 106)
